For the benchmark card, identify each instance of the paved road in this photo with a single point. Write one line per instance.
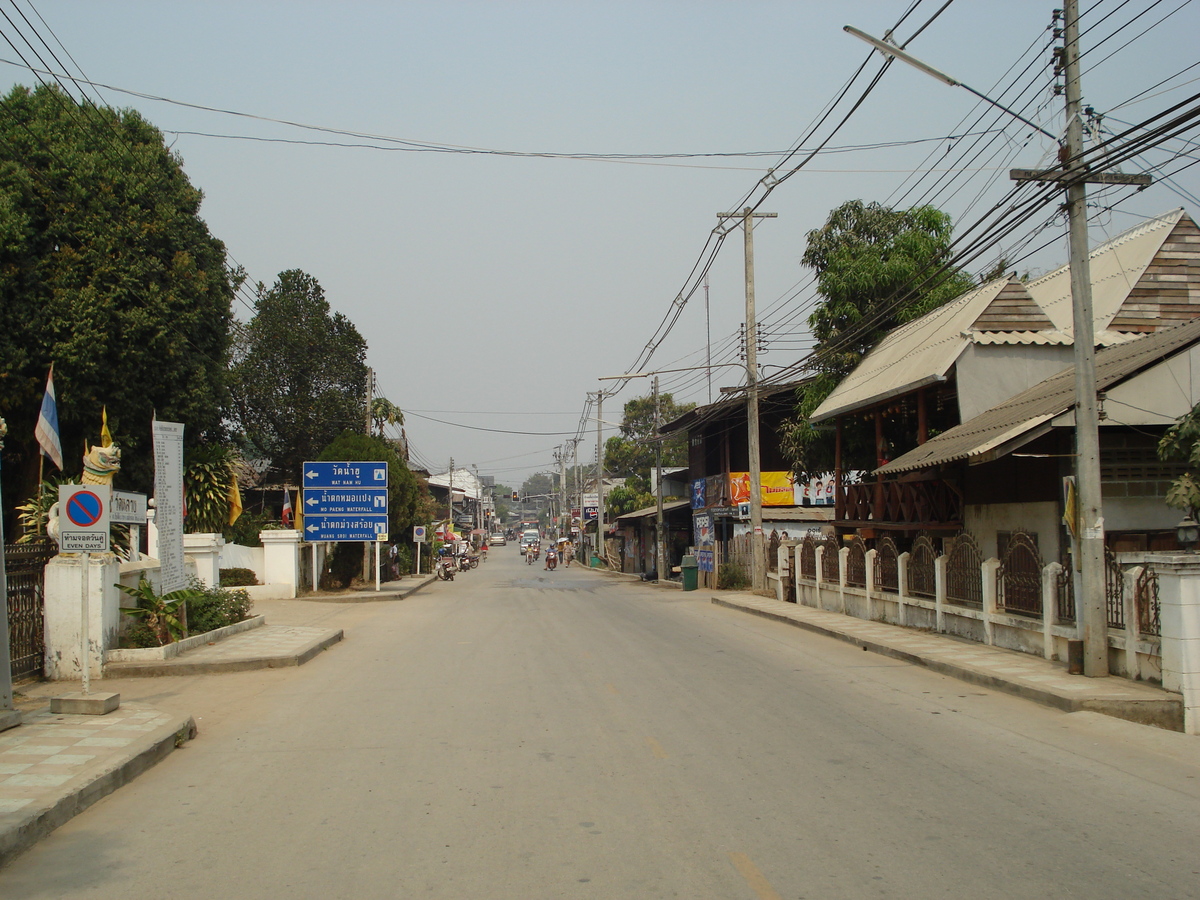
(527, 734)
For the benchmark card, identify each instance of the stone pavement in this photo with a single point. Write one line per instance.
(53, 766)
(267, 647)
(1022, 674)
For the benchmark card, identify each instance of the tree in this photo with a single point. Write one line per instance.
(108, 271)
(299, 374)
(1181, 443)
(631, 453)
(876, 268)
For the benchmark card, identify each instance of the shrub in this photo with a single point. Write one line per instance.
(211, 608)
(237, 577)
(732, 577)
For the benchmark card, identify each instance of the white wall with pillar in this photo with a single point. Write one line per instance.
(1179, 612)
(281, 560)
(205, 551)
(63, 614)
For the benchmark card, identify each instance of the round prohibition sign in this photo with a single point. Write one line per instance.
(84, 509)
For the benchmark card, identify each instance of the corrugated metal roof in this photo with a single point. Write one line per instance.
(1019, 417)
(923, 351)
(653, 510)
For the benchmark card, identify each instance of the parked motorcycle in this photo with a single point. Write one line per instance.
(445, 568)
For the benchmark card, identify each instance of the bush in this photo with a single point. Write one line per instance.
(216, 607)
(237, 577)
(732, 577)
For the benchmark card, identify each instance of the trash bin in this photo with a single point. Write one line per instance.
(595, 562)
(690, 569)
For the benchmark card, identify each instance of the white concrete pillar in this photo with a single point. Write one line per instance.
(1133, 628)
(1179, 610)
(871, 587)
(205, 551)
(988, 570)
(939, 591)
(843, 565)
(64, 599)
(281, 558)
(1049, 607)
(820, 558)
(902, 585)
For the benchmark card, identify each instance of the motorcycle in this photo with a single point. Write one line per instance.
(551, 559)
(445, 568)
(529, 557)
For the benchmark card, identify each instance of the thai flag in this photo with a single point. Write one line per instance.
(46, 431)
(287, 508)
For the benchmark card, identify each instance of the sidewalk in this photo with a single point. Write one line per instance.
(53, 766)
(1022, 674)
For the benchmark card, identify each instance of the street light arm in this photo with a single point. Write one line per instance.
(896, 53)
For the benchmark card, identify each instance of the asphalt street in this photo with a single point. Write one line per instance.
(525, 734)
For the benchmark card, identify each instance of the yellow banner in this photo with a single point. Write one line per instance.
(778, 488)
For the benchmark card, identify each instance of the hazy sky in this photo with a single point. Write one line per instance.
(495, 289)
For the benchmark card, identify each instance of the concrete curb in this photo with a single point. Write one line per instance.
(1165, 713)
(206, 667)
(30, 825)
(172, 650)
(369, 595)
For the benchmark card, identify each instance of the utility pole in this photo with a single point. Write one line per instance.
(450, 501)
(1093, 615)
(758, 570)
(601, 550)
(370, 394)
(564, 504)
(661, 555)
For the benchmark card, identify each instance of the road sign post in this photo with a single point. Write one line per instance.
(346, 501)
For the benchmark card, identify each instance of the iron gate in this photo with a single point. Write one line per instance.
(26, 568)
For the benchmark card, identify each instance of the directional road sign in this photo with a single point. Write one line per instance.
(345, 528)
(345, 501)
(345, 474)
(83, 518)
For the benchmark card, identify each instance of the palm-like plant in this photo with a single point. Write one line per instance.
(165, 614)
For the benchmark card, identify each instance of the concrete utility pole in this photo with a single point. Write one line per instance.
(758, 569)
(600, 548)
(660, 562)
(370, 393)
(1093, 613)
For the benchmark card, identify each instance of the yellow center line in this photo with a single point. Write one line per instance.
(656, 748)
(758, 883)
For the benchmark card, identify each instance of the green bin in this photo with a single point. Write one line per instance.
(690, 568)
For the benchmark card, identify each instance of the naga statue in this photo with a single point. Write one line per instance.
(101, 464)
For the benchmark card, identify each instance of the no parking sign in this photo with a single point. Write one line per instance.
(83, 518)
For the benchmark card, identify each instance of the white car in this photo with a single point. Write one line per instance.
(497, 540)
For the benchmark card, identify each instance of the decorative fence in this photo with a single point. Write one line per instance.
(964, 578)
(1017, 601)
(1019, 580)
(26, 568)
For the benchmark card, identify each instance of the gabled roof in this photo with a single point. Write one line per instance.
(1143, 279)
(1029, 414)
(734, 404)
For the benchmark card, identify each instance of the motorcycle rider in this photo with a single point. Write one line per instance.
(551, 558)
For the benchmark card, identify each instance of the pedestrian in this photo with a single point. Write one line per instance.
(568, 553)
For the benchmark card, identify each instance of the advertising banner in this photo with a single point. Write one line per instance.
(778, 488)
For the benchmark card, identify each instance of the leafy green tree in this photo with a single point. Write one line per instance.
(624, 499)
(298, 376)
(207, 474)
(108, 271)
(1181, 443)
(876, 268)
(631, 453)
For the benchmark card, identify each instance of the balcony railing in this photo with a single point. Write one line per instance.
(933, 503)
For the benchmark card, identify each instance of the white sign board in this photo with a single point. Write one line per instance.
(168, 503)
(83, 518)
(128, 508)
(418, 534)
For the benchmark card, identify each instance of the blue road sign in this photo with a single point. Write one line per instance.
(345, 474)
(344, 528)
(345, 501)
